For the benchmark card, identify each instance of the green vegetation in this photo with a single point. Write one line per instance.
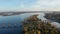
(33, 25)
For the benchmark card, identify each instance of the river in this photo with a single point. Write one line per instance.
(15, 19)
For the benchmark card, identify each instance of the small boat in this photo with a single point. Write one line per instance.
(3, 25)
(15, 25)
(9, 25)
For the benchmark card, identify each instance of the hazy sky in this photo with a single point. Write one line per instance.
(29, 5)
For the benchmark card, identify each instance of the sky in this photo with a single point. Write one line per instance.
(30, 5)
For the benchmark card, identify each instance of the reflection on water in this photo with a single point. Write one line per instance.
(12, 24)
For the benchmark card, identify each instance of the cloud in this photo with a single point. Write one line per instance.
(42, 5)
(36, 5)
(50, 5)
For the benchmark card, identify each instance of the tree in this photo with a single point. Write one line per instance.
(36, 27)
